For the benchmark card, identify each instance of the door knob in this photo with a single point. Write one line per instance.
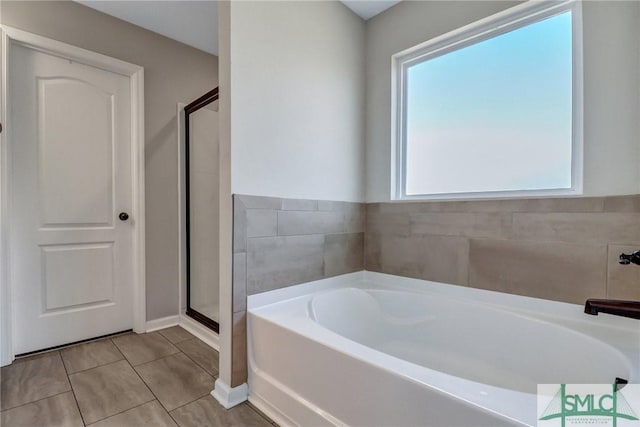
(123, 216)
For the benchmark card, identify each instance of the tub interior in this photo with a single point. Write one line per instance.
(469, 340)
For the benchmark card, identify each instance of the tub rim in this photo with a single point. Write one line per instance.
(268, 306)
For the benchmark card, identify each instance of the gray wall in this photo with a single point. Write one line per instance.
(284, 242)
(563, 249)
(174, 73)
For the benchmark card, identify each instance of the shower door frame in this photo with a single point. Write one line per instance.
(190, 108)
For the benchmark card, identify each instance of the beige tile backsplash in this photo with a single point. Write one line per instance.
(442, 258)
(551, 270)
(563, 249)
(283, 242)
(465, 224)
(623, 282)
(600, 227)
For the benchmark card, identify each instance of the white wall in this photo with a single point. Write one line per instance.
(611, 97)
(611, 85)
(298, 100)
(225, 213)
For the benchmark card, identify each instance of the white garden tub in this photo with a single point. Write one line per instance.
(371, 349)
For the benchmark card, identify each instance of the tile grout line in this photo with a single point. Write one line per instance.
(257, 411)
(199, 365)
(148, 388)
(117, 413)
(147, 385)
(188, 403)
(162, 404)
(176, 326)
(99, 366)
(122, 412)
(154, 395)
(187, 356)
(171, 416)
(154, 360)
(110, 339)
(38, 400)
(113, 343)
(73, 392)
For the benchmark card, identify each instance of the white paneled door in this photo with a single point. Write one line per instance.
(71, 196)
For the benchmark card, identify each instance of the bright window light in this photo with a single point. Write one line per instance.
(493, 116)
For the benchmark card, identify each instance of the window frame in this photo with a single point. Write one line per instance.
(484, 29)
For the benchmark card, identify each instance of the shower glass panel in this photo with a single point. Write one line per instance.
(201, 182)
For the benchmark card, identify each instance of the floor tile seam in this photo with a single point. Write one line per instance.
(144, 403)
(155, 360)
(199, 365)
(163, 337)
(73, 392)
(120, 350)
(152, 360)
(91, 342)
(149, 387)
(146, 333)
(170, 415)
(174, 343)
(93, 367)
(37, 400)
(186, 339)
(46, 397)
(123, 411)
(96, 367)
(148, 361)
(189, 403)
(264, 416)
(113, 363)
(116, 346)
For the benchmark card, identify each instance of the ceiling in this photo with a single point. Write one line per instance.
(369, 8)
(195, 22)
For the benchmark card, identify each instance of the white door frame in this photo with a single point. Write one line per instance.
(12, 36)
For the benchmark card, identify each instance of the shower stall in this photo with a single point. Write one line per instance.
(201, 209)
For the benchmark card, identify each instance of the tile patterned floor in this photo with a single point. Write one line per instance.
(157, 379)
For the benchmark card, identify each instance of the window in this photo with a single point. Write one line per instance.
(493, 109)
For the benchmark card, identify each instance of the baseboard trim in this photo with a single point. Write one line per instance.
(229, 397)
(205, 334)
(163, 322)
